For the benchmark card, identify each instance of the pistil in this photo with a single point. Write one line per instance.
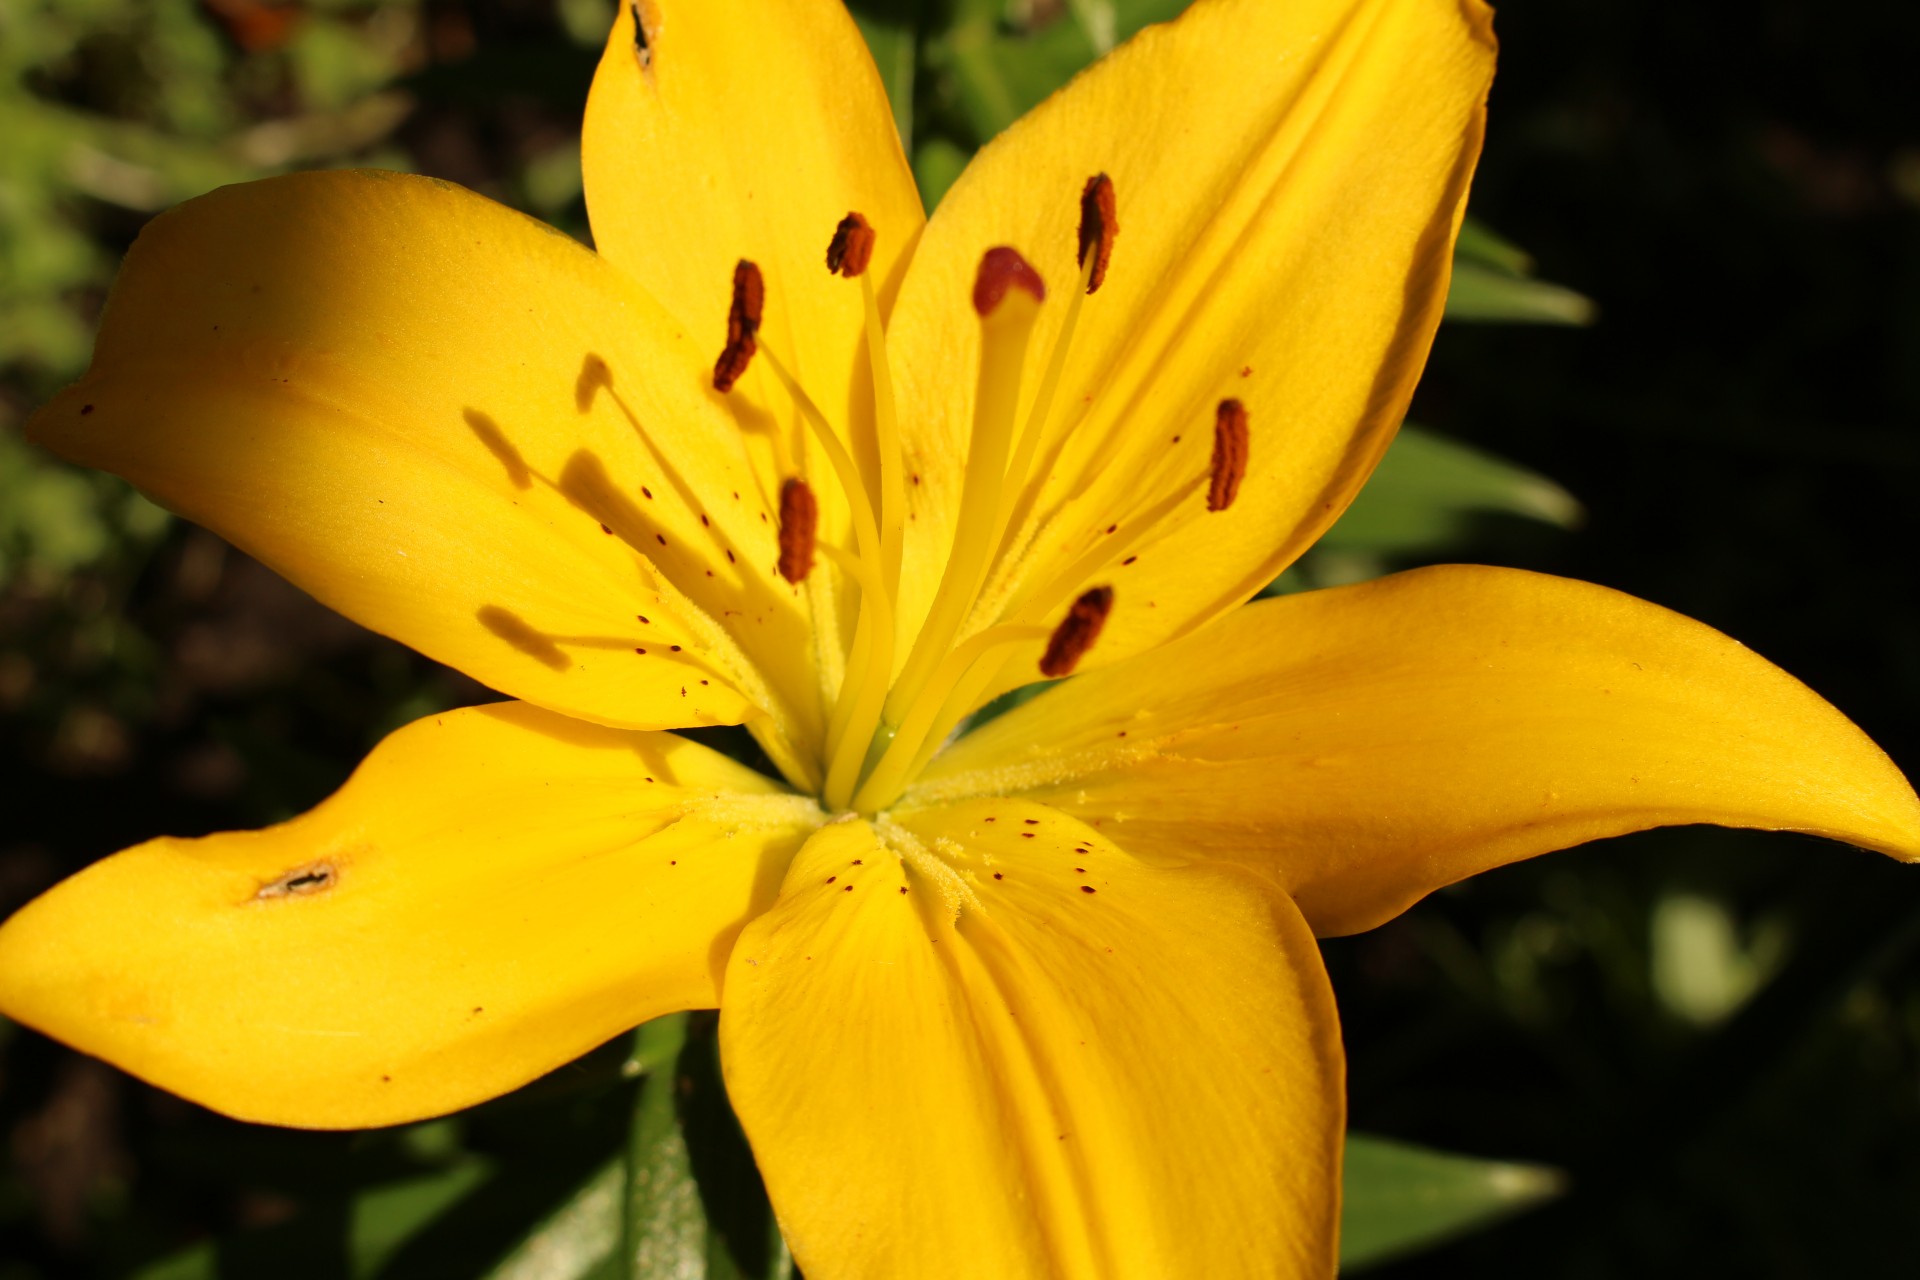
(1007, 295)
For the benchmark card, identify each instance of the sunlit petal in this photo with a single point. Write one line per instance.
(1288, 181)
(1020, 1052)
(493, 893)
(737, 131)
(457, 427)
(1369, 744)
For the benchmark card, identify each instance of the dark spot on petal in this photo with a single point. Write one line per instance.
(998, 876)
(606, 529)
(85, 409)
(300, 882)
(638, 649)
(831, 879)
(1086, 888)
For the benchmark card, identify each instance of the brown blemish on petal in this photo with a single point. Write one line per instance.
(1230, 443)
(852, 247)
(799, 519)
(642, 47)
(1098, 226)
(743, 322)
(1077, 632)
(1086, 888)
(1002, 269)
(315, 877)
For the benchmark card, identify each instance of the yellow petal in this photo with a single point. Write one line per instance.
(457, 427)
(493, 893)
(1370, 744)
(1289, 178)
(749, 132)
(1000, 1073)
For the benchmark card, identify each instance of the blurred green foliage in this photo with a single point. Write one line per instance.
(1714, 1035)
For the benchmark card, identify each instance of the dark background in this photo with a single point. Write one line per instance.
(1737, 187)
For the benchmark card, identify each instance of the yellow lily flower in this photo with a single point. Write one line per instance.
(1046, 1002)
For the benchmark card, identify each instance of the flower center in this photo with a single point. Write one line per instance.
(884, 726)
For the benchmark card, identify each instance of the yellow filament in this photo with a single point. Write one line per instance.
(1003, 351)
(866, 687)
(1030, 435)
(860, 660)
(886, 425)
(890, 774)
(1135, 532)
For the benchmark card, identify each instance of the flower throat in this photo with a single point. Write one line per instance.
(883, 727)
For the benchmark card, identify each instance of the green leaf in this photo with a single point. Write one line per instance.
(663, 1226)
(994, 70)
(936, 166)
(1482, 293)
(685, 1201)
(356, 1241)
(580, 1240)
(1480, 243)
(1399, 1198)
(1427, 491)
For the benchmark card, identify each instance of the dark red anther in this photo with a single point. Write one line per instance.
(1077, 632)
(1229, 455)
(852, 247)
(743, 321)
(1002, 269)
(799, 519)
(1098, 226)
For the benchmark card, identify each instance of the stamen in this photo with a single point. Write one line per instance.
(852, 247)
(858, 707)
(1003, 269)
(1097, 230)
(1098, 226)
(799, 520)
(849, 254)
(743, 322)
(1230, 442)
(1077, 632)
